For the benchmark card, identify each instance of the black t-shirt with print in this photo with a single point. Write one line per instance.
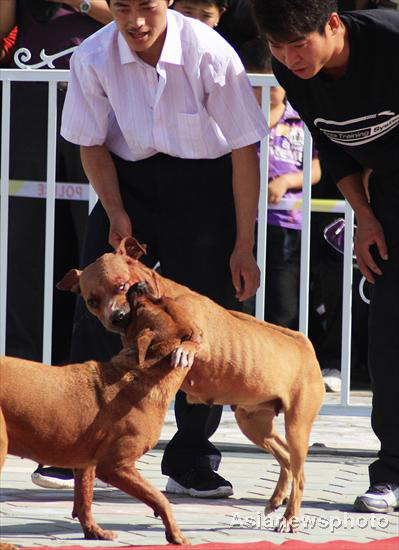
(355, 119)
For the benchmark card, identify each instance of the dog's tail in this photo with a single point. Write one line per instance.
(3, 439)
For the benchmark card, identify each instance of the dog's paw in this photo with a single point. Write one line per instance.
(99, 534)
(274, 503)
(287, 525)
(177, 538)
(8, 546)
(269, 508)
(184, 355)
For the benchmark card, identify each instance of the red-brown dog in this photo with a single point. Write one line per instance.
(98, 417)
(258, 368)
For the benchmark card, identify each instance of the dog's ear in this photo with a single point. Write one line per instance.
(70, 281)
(129, 246)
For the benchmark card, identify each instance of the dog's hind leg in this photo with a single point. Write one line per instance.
(83, 497)
(126, 478)
(3, 439)
(257, 425)
(3, 454)
(299, 418)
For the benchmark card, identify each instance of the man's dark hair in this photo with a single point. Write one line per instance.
(256, 56)
(285, 19)
(220, 4)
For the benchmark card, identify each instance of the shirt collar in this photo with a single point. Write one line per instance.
(172, 48)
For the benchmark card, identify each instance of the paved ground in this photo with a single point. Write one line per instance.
(336, 473)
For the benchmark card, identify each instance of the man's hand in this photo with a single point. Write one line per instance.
(369, 232)
(120, 227)
(277, 188)
(245, 273)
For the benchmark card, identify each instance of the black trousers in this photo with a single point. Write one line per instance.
(184, 211)
(282, 276)
(384, 335)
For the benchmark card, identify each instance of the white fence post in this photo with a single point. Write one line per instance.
(347, 306)
(5, 154)
(305, 235)
(50, 221)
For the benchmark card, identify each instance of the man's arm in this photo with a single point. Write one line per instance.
(100, 171)
(369, 231)
(246, 177)
(99, 9)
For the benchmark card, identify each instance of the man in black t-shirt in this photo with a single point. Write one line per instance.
(341, 74)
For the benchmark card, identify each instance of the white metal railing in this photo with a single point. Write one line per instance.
(50, 190)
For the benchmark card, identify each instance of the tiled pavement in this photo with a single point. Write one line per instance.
(31, 516)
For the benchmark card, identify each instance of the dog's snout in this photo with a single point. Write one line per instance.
(118, 317)
(139, 288)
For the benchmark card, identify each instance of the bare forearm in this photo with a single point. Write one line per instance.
(99, 10)
(7, 16)
(245, 273)
(100, 171)
(369, 231)
(246, 193)
(353, 190)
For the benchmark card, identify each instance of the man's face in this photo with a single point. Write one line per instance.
(305, 55)
(207, 13)
(143, 25)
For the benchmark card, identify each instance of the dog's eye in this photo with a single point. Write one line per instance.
(93, 303)
(123, 287)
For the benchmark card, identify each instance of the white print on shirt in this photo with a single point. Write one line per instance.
(358, 131)
(287, 144)
(293, 156)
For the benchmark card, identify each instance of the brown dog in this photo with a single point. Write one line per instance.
(258, 368)
(98, 417)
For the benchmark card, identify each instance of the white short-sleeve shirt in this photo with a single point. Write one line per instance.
(196, 103)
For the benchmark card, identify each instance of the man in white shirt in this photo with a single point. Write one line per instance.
(167, 123)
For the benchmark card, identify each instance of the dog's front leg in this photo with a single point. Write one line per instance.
(191, 335)
(138, 343)
(126, 478)
(184, 354)
(83, 497)
(143, 342)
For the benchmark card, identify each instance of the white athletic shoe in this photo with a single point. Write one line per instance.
(332, 380)
(380, 497)
(50, 482)
(58, 478)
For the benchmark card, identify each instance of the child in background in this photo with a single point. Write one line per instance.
(207, 11)
(286, 143)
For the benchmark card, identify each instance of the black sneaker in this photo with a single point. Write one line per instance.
(380, 497)
(53, 478)
(200, 482)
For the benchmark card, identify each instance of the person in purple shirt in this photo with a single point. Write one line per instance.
(286, 143)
